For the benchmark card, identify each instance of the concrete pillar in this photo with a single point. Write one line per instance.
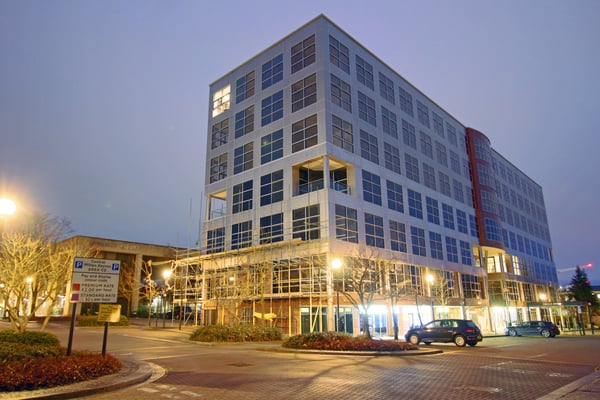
(137, 277)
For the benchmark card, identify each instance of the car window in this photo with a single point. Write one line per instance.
(525, 325)
(452, 324)
(535, 324)
(433, 324)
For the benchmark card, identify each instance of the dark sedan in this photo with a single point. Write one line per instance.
(535, 328)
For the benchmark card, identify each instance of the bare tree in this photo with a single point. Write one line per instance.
(34, 269)
(127, 285)
(363, 280)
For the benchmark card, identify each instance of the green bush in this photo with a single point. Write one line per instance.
(37, 373)
(235, 333)
(16, 346)
(92, 320)
(343, 342)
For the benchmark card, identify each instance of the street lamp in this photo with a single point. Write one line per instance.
(429, 279)
(336, 265)
(7, 207)
(166, 275)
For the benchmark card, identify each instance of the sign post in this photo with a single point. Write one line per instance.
(94, 280)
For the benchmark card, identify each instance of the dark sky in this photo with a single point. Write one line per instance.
(104, 104)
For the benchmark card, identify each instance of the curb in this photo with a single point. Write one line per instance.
(131, 374)
(579, 386)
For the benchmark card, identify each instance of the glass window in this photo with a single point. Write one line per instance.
(461, 221)
(243, 158)
(454, 162)
(272, 71)
(408, 135)
(303, 54)
(242, 197)
(218, 168)
(339, 55)
(386, 88)
(415, 205)
(429, 176)
(341, 93)
(306, 223)
(391, 156)
(220, 131)
(435, 244)
(371, 187)
(441, 155)
(433, 210)
(342, 134)
(271, 188)
(444, 184)
(417, 236)
(422, 114)
(369, 150)
(406, 101)
(398, 236)
(271, 147)
(412, 167)
(366, 109)
(394, 196)
(374, 231)
(215, 240)
(304, 133)
(438, 124)
(390, 126)
(448, 216)
(304, 92)
(364, 72)
(451, 249)
(451, 132)
(244, 122)
(346, 223)
(241, 235)
(271, 228)
(272, 108)
(221, 100)
(465, 253)
(244, 87)
(459, 194)
(426, 146)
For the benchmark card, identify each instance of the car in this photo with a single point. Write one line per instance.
(535, 328)
(459, 331)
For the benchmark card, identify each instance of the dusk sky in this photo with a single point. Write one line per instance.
(104, 104)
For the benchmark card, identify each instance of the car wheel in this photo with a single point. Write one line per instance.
(512, 332)
(460, 340)
(414, 339)
(545, 333)
(472, 344)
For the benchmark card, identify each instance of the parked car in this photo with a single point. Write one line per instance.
(535, 328)
(459, 331)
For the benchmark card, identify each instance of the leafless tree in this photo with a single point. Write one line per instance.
(34, 267)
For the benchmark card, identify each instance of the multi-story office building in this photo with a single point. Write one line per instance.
(334, 185)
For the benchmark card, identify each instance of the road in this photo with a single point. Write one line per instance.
(498, 368)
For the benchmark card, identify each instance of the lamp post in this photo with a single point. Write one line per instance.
(336, 265)
(429, 279)
(166, 275)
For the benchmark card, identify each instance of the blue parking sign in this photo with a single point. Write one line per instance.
(115, 266)
(78, 264)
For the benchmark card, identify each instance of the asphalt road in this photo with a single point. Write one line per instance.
(498, 368)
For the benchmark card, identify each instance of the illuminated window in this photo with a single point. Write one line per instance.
(221, 100)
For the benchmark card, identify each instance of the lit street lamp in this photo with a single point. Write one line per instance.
(429, 279)
(7, 207)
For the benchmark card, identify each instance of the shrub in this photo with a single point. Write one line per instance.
(16, 346)
(92, 320)
(37, 373)
(235, 333)
(343, 342)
